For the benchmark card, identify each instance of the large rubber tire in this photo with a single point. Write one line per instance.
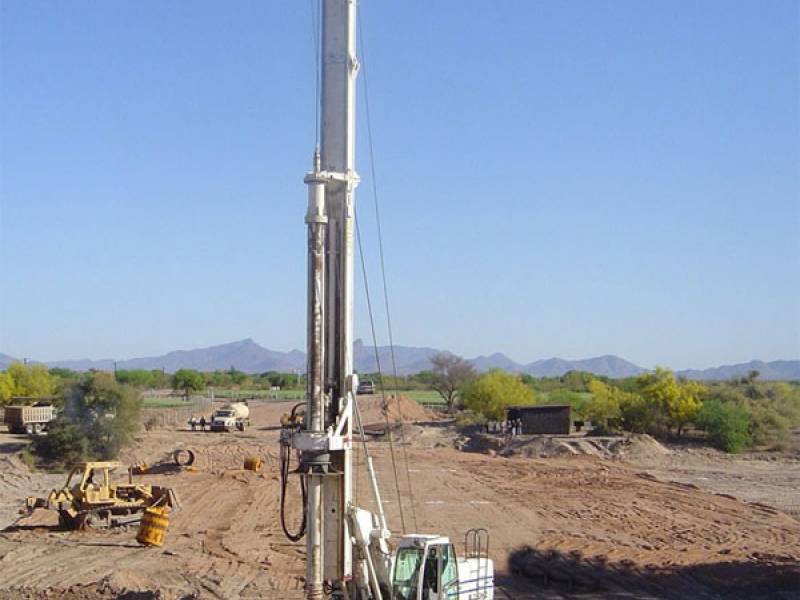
(29, 428)
(180, 460)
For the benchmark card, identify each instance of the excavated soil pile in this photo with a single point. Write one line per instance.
(405, 409)
(635, 446)
(17, 482)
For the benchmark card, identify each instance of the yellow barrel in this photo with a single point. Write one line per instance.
(252, 463)
(153, 527)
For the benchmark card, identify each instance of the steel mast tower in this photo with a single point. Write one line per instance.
(325, 442)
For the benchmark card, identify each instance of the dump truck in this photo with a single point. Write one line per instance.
(90, 499)
(29, 419)
(234, 415)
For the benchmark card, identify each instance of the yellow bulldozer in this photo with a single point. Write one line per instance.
(90, 499)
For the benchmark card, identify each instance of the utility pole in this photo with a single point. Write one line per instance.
(326, 441)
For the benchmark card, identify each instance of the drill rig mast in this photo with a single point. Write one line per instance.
(325, 442)
(347, 547)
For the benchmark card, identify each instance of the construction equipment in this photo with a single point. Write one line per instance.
(294, 419)
(32, 420)
(90, 499)
(233, 415)
(347, 549)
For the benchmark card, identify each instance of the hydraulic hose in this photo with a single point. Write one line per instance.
(284, 466)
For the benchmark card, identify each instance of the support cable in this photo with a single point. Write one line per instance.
(383, 267)
(380, 373)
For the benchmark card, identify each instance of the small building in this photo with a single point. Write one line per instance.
(542, 419)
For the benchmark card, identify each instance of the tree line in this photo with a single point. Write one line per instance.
(734, 415)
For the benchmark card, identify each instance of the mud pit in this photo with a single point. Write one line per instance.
(615, 530)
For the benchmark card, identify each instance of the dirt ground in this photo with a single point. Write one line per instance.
(578, 526)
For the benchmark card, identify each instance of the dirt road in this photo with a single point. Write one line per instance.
(618, 529)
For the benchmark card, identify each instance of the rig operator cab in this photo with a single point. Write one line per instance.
(426, 568)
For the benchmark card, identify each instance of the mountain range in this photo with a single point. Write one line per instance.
(250, 357)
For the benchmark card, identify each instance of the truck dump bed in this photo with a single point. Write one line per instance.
(28, 419)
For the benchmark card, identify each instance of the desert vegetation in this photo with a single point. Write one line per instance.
(733, 415)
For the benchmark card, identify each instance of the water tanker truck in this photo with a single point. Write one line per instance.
(230, 416)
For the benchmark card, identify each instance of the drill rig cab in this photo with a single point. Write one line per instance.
(426, 568)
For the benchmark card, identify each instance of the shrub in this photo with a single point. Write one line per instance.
(64, 443)
(773, 407)
(640, 415)
(727, 425)
(100, 416)
(467, 419)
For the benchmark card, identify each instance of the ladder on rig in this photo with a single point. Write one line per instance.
(476, 546)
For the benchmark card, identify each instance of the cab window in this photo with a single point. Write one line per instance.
(405, 581)
(449, 569)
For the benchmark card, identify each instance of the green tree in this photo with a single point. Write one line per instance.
(236, 377)
(604, 410)
(578, 401)
(63, 373)
(160, 379)
(100, 416)
(424, 377)
(728, 425)
(678, 401)
(577, 381)
(26, 381)
(640, 415)
(188, 381)
(6, 388)
(493, 392)
(135, 377)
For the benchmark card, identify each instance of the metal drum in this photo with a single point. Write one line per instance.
(153, 527)
(252, 463)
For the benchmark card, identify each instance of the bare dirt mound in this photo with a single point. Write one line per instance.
(634, 446)
(17, 481)
(373, 409)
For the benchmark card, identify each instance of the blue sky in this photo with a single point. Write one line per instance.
(556, 178)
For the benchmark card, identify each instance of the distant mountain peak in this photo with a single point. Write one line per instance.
(249, 356)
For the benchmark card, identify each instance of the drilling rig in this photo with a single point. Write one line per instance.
(348, 553)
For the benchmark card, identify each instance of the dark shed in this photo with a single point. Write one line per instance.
(542, 419)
